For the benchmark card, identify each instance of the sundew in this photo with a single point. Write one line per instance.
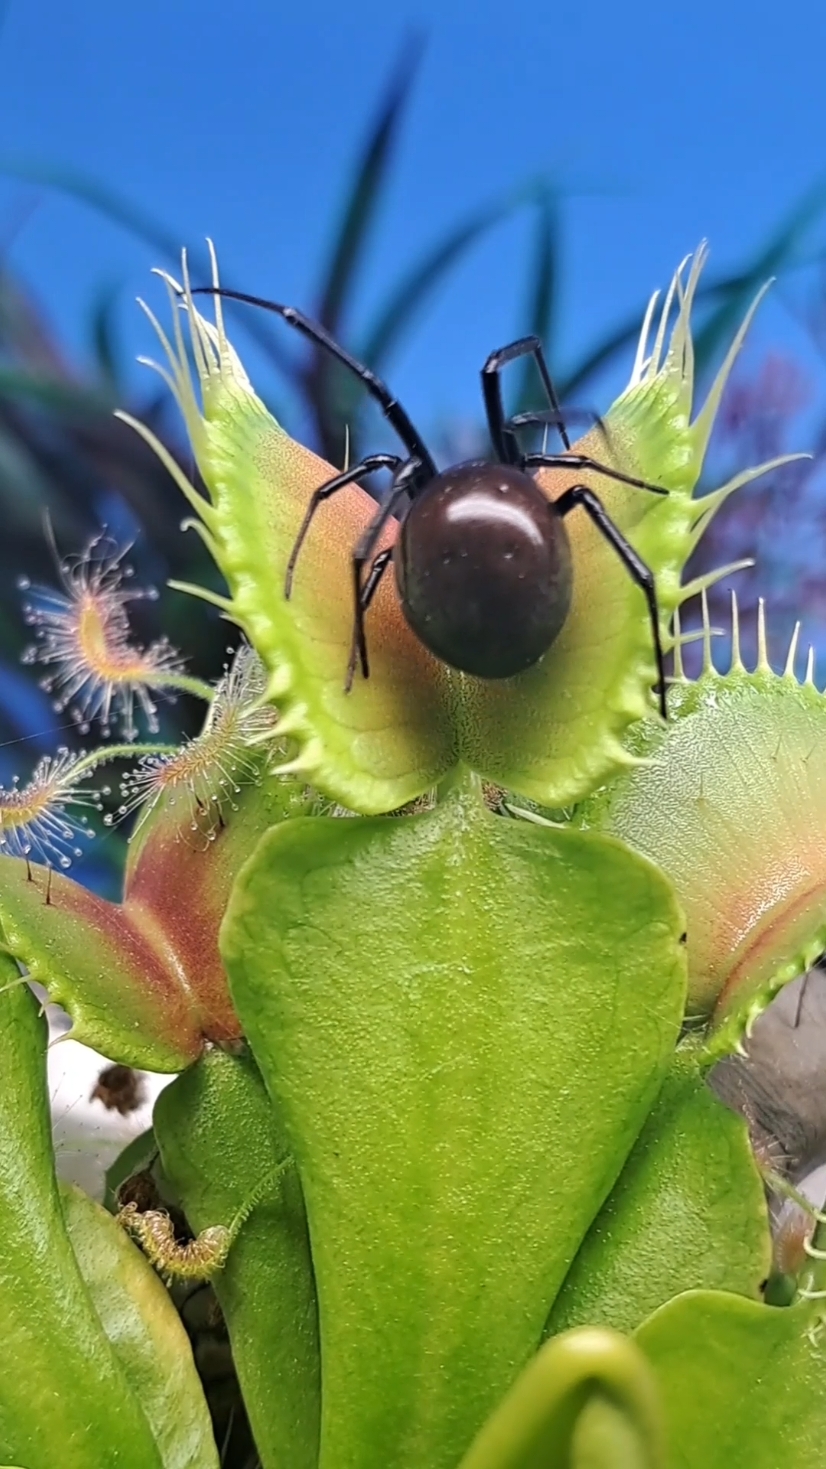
(208, 772)
(82, 634)
(35, 821)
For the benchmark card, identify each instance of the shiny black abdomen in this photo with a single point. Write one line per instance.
(483, 567)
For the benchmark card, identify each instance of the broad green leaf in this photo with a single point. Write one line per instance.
(540, 1423)
(687, 1211)
(64, 1395)
(146, 1333)
(742, 1384)
(731, 804)
(463, 1021)
(221, 1147)
(550, 733)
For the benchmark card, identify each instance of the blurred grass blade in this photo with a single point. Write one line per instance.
(144, 226)
(371, 174)
(542, 298)
(409, 296)
(732, 293)
(98, 196)
(778, 254)
(104, 338)
(328, 389)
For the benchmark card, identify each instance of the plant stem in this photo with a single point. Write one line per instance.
(197, 687)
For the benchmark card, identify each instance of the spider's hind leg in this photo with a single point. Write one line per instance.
(581, 496)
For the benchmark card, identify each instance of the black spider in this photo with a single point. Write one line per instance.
(482, 557)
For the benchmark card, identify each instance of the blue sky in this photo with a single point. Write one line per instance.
(665, 123)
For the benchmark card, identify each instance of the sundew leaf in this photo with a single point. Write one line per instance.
(688, 1211)
(65, 1398)
(222, 1147)
(731, 805)
(141, 1322)
(550, 733)
(463, 1021)
(741, 1383)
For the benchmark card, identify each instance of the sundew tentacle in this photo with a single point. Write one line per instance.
(730, 800)
(207, 773)
(82, 635)
(35, 819)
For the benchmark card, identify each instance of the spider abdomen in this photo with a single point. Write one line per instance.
(483, 567)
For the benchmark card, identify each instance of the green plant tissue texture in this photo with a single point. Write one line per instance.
(463, 1021)
(145, 1330)
(688, 1210)
(605, 1438)
(743, 1385)
(64, 1397)
(220, 1146)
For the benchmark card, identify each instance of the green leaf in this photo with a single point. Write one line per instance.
(105, 968)
(64, 1396)
(220, 1147)
(741, 1383)
(543, 1420)
(463, 1021)
(687, 1211)
(730, 803)
(146, 1333)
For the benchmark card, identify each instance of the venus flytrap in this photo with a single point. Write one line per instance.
(442, 1137)
(550, 733)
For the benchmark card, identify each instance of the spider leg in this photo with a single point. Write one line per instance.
(584, 461)
(502, 436)
(553, 418)
(358, 651)
(580, 495)
(392, 410)
(366, 545)
(367, 466)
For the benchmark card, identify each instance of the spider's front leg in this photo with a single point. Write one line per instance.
(503, 438)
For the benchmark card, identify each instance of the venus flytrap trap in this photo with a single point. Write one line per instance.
(551, 732)
(442, 1139)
